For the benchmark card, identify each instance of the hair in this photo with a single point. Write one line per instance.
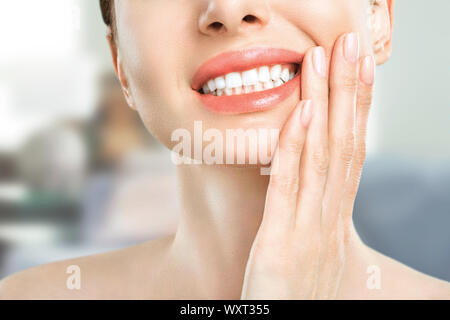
(108, 14)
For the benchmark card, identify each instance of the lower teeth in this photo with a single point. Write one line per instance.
(248, 89)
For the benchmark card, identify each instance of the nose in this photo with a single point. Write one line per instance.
(231, 17)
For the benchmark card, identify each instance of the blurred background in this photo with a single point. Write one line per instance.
(79, 174)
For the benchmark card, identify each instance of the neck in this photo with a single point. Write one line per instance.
(221, 211)
(222, 208)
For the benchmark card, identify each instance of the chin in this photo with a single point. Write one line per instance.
(246, 140)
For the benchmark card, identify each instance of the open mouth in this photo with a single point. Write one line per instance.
(249, 81)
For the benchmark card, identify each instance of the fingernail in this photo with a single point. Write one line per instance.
(368, 70)
(319, 61)
(306, 113)
(351, 47)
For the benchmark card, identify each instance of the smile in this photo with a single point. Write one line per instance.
(248, 80)
(254, 80)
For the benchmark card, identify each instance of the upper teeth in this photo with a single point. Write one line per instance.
(254, 80)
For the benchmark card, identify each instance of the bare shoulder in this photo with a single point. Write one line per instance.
(403, 282)
(113, 275)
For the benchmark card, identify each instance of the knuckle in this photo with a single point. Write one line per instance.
(360, 154)
(347, 83)
(357, 167)
(352, 186)
(292, 146)
(362, 131)
(321, 160)
(365, 99)
(286, 185)
(345, 147)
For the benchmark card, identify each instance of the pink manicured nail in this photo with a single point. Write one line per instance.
(306, 113)
(368, 70)
(319, 61)
(351, 47)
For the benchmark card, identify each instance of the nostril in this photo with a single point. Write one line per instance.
(250, 18)
(216, 26)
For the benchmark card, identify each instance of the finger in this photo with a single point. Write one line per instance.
(363, 106)
(314, 163)
(284, 181)
(342, 109)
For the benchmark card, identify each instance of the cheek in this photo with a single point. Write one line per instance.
(325, 20)
(152, 46)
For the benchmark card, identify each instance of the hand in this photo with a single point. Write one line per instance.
(299, 251)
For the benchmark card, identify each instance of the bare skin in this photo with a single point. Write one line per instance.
(243, 235)
(149, 271)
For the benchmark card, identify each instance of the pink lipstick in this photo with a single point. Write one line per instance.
(247, 81)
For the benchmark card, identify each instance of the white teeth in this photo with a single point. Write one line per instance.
(264, 74)
(233, 80)
(220, 83)
(228, 91)
(248, 89)
(255, 80)
(259, 87)
(285, 75)
(268, 85)
(250, 78)
(275, 72)
(212, 85)
(278, 83)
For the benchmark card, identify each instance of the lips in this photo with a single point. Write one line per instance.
(242, 61)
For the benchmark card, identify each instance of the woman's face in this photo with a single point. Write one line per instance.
(162, 45)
